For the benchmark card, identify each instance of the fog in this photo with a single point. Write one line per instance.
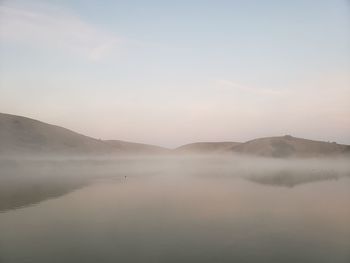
(174, 209)
(26, 181)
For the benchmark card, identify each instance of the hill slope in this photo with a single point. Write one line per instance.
(24, 136)
(288, 146)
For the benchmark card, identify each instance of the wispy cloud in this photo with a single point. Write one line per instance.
(47, 27)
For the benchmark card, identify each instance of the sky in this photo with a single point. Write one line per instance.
(174, 72)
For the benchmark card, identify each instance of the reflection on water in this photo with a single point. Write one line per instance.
(292, 178)
(174, 210)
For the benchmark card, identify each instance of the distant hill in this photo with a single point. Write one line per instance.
(288, 146)
(23, 136)
(205, 147)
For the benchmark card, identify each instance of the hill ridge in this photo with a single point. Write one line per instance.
(23, 135)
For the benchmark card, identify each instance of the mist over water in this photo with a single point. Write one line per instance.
(174, 209)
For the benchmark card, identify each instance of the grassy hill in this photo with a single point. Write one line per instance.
(288, 146)
(25, 136)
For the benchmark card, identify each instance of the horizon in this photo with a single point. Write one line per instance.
(173, 73)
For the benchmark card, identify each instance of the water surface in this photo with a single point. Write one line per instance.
(183, 210)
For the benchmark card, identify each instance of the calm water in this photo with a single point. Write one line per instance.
(172, 211)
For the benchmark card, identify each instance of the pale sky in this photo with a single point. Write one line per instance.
(174, 72)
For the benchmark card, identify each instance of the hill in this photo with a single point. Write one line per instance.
(288, 146)
(25, 136)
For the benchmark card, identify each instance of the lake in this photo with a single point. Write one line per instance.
(175, 209)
